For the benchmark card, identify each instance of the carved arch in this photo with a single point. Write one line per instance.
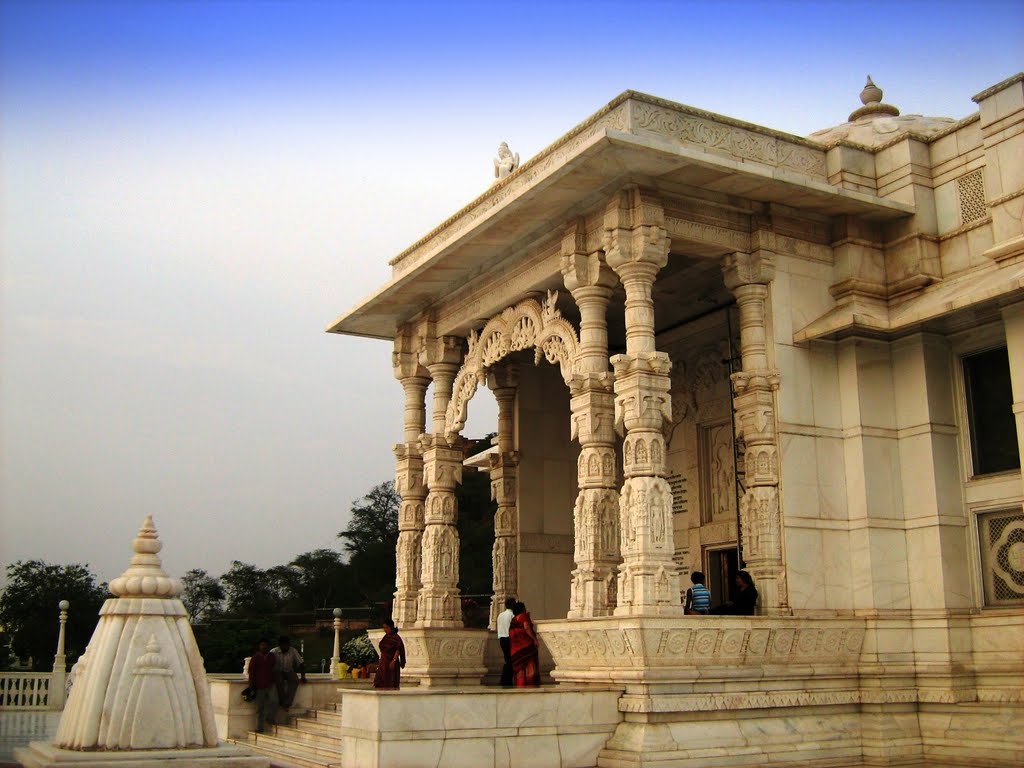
(528, 324)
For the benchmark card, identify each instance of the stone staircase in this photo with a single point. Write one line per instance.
(310, 740)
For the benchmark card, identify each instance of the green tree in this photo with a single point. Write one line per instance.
(322, 579)
(203, 595)
(252, 591)
(370, 540)
(28, 609)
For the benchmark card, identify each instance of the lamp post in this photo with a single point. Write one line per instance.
(60, 666)
(336, 656)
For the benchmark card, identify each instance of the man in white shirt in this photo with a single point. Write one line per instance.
(289, 666)
(504, 620)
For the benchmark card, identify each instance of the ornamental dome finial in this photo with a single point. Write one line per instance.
(871, 94)
(145, 576)
(871, 98)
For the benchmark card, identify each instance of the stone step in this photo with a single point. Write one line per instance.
(315, 725)
(301, 735)
(330, 717)
(284, 754)
(312, 750)
(278, 758)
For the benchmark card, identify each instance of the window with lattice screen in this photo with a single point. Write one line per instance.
(971, 192)
(1001, 536)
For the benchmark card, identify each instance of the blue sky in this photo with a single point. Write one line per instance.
(192, 191)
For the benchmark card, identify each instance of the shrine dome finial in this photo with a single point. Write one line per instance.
(871, 98)
(876, 123)
(145, 576)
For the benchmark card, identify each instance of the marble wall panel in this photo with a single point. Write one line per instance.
(805, 568)
(836, 569)
(875, 385)
(794, 395)
(889, 569)
(831, 470)
(781, 298)
(882, 477)
(825, 385)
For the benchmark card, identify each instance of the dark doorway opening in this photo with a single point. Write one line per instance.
(721, 567)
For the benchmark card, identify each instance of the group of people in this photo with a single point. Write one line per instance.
(698, 597)
(518, 641)
(274, 677)
(275, 673)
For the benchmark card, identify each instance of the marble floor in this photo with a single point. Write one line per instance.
(19, 728)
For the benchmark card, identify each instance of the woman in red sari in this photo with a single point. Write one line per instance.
(525, 658)
(392, 658)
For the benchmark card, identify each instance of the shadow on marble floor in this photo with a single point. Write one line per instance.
(17, 729)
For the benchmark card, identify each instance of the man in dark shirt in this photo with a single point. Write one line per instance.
(261, 681)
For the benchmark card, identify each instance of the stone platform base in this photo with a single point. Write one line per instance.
(40, 754)
(549, 727)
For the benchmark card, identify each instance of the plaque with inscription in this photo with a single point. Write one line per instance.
(680, 503)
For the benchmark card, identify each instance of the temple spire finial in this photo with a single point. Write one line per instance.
(871, 98)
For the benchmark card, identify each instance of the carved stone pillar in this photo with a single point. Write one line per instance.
(409, 479)
(439, 604)
(596, 515)
(636, 247)
(504, 490)
(747, 275)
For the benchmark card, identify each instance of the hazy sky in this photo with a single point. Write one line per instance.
(192, 191)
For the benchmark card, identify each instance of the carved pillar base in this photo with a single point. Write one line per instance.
(594, 587)
(442, 657)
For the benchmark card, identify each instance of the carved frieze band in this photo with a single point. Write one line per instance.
(729, 140)
(527, 325)
(584, 648)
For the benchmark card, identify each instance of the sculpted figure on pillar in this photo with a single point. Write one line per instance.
(438, 603)
(409, 477)
(502, 381)
(590, 281)
(636, 247)
(747, 276)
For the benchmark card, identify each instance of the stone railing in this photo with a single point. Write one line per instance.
(25, 690)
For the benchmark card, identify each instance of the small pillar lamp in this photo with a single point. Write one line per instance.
(336, 656)
(60, 664)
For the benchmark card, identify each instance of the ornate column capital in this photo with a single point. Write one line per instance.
(581, 266)
(405, 358)
(635, 238)
(742, 269)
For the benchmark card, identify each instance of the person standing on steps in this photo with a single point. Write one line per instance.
(392, 658)
(503, 624)
(261, 680)
(290, 666)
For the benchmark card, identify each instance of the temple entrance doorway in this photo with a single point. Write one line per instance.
(720, 568)
(547, 490)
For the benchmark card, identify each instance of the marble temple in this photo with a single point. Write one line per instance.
(714, 345)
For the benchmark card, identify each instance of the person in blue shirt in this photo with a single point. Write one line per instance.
(698, 598)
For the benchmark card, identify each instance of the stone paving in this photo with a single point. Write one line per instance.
(19, 728)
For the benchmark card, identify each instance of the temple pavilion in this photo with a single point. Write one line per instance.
(716, 346)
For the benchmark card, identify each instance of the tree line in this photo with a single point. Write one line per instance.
(231, 611)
